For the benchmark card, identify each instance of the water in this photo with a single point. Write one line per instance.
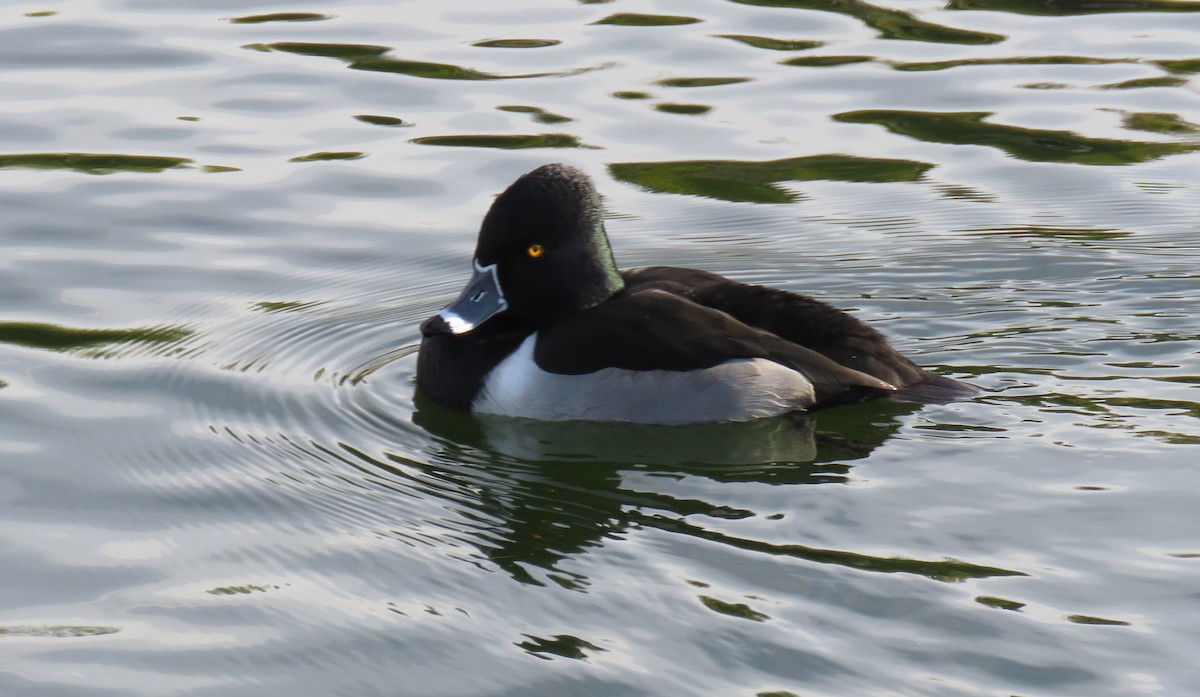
(221, 223)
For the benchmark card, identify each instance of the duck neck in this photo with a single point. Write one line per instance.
(606, 279)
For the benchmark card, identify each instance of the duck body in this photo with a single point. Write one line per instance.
(549, 329)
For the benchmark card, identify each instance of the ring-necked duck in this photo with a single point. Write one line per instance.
(548, 328)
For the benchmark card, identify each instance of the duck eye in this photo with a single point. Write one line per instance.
(535, 250)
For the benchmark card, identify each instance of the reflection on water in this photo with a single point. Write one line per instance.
(700, 81)
(560, 488)
(629, 19)
(372, 58)
(770, 44)
(826, 61)
(891, 24)
(1146, 82)
(57, 631)
(503, 142)
(281, 17)
(538, 115)
(948, 570)
(686, 109)
(1018, 60)
(1180, 66)
(1171, 124)
(378, 120)
(772, 449)
(92, 164)
(1061, 233)
(756, 182)
(772, 441)
(517, 43)
(1066, 8)
(1034, 145)
(326, 156)
(57, 338)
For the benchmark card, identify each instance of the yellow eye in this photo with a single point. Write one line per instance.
(535, 250)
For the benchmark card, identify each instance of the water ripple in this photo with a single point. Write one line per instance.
(372, 58)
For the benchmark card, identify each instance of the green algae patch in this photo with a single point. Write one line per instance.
(919, 66)
(1029, 144)
(328, 156)
(558, 646)
(540, 115)
(1171, 124)
(945, 570)
(1100, 621)
(375, 120)
(770, 44)
(758, 182)
(999, 603)
(739, 610)
(1146, 82)
(517, 43)
(1067, 8)
(826, 61)
(89, 163)
(630, 19)
(1051, 232)
(686, 109)
(371, 58)
(891, 24)
(503, 142)
(246, 589)
(1191, 65)
(275, 306)
(281, 17)
(53, 337)
(701, 81)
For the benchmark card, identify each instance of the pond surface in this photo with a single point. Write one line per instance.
(221, 222)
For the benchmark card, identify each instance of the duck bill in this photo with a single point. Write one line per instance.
(480, 300)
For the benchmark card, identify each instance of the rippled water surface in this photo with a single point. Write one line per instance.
(222, 220)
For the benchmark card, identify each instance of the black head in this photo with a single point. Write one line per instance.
(542, 254)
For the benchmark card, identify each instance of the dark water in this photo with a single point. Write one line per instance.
(221, 222)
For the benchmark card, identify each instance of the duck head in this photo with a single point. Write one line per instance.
(542, 254)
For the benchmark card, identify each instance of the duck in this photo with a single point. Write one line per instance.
(548, 328)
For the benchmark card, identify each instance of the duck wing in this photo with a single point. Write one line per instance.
(806, 322)
(654, 329)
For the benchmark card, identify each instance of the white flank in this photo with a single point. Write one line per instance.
(737, 390)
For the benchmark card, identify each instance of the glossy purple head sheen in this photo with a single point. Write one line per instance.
(557, 208)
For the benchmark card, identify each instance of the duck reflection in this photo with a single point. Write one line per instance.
(558, 489)
(792, 439)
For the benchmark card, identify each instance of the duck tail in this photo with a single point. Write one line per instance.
(934, 389)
